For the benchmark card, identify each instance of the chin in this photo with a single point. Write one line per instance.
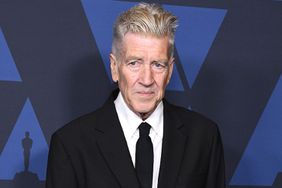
(144, 109)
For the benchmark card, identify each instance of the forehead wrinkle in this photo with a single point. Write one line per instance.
(144, 47)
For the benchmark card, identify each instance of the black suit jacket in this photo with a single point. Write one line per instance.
(91, 152)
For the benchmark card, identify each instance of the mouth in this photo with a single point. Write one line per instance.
(145, 93)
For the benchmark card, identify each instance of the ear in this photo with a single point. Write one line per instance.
(114, 67)
(170, 69)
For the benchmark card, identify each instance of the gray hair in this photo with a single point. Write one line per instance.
(145, 19)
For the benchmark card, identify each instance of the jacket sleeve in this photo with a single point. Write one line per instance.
(60, 172)
(216, 172)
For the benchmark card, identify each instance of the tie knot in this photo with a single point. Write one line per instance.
(144, 129)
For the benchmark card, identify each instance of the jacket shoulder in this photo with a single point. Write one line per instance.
(80, 126)
(192, 120)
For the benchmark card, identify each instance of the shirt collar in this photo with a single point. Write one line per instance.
(128, 117)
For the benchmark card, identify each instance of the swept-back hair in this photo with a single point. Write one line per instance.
(147, 19)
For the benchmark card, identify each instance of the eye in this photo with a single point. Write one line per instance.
(134, 65)
(159, 66)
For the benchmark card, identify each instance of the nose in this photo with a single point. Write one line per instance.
(146, 76)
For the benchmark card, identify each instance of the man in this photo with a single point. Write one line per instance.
(138, 139)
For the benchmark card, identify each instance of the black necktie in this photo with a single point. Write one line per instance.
(144, 157)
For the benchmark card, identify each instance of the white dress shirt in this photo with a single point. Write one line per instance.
(130, 121)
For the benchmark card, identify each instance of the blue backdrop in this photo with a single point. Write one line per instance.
(54, 67)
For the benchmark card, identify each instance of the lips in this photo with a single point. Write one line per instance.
(146, 92)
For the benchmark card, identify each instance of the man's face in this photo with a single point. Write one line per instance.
(142, 72)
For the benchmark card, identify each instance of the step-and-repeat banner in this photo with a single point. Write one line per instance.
(54, 67)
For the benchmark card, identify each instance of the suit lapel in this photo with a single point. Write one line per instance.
(172, 149)
(114, 148)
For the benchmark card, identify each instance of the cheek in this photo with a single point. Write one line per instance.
(161, 85)
(126, 80)
(162, 81)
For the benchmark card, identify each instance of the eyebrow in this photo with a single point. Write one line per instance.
(140, 58)
(132, 57)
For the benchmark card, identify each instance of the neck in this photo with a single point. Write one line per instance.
(144, 116)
